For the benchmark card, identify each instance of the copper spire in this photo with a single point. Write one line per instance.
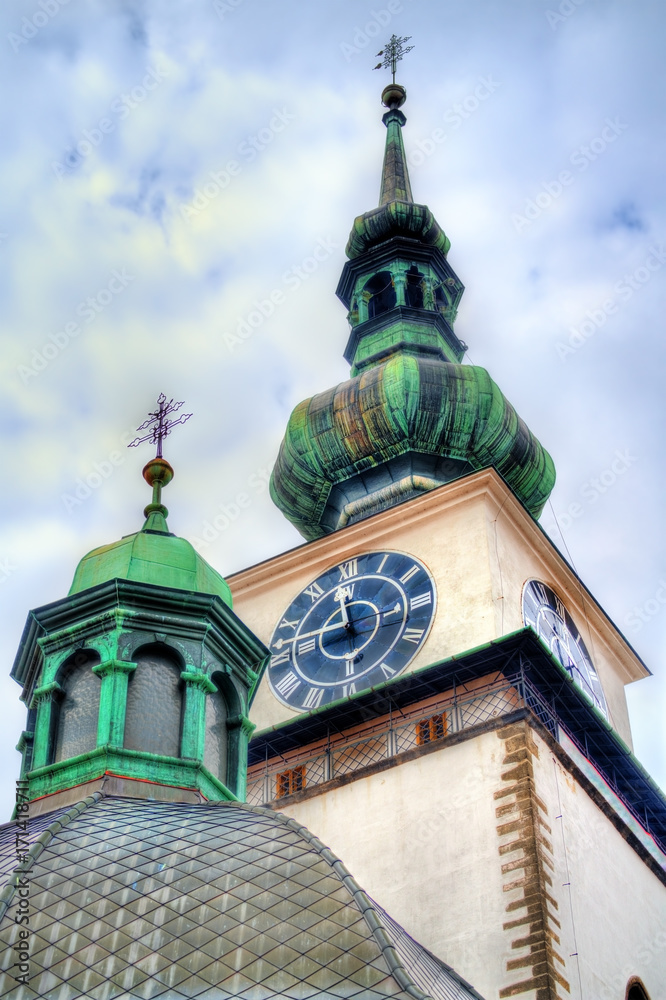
(158, 472)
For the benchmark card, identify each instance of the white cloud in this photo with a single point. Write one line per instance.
(120, 208)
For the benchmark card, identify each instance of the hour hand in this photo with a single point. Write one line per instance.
(341, 596)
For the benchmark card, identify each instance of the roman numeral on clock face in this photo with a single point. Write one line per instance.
(288, 684)
(315, 591)
(348, 569)
(279, 658)
(306, 647)
(413, 634)
(313, 698)
(420, 601)
(409, 574)
(561, 610)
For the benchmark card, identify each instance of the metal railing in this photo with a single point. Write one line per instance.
(392, 737)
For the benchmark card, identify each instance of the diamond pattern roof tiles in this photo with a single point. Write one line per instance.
(180, 901)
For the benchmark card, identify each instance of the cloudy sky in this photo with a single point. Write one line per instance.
(169, 165)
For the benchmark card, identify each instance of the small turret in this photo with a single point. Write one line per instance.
(140, 680)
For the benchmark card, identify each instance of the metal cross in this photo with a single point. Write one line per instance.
(162, 426)
(393, 52)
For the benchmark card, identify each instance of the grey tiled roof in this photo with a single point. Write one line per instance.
(143, 899)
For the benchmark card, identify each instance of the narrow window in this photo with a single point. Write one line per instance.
(430, 729)
(215, 746)
(636, 991)
(288, 782)
(414, 290)
(79, 710)
(441, 301)
(154, 703)
(381, 294)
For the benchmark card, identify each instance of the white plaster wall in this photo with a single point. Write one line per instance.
(421, 839)
(515, 560)
(615, 915)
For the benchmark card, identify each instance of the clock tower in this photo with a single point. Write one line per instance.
(444, 704)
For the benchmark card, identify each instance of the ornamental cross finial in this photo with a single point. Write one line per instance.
(393, 52)
(161, 425)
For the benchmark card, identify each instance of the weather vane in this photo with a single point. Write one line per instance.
(393, 52)
(161, 425)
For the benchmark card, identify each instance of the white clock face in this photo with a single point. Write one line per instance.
(546, 614)
(357, 625)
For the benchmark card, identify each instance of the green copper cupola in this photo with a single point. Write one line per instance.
(412, 416)
(140, 680)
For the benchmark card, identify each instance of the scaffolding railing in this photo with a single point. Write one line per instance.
(394, 736)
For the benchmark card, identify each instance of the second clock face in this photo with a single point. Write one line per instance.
(547, 615)
(357, 625)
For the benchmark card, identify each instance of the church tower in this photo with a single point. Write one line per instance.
(132, 867)
(444, 703)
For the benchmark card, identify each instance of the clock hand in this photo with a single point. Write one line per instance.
(341, 598)
(307, 635)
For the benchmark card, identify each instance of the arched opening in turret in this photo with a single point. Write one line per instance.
(380, 293)
(223, 717)
(414, 289)
(441, 300)
(78, 713)
(154, 702)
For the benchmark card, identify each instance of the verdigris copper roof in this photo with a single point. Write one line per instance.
(407, 405)
(412, 417)
(156, 557)
(134, 898)
(153, 555)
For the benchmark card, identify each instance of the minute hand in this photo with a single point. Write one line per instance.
(307, 635)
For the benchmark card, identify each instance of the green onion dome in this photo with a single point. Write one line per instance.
(395, 430)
